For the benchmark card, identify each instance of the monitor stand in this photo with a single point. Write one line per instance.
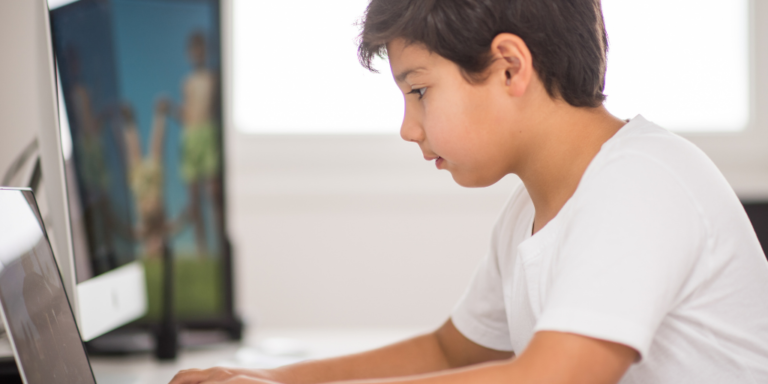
(165, 338)
(143, 337)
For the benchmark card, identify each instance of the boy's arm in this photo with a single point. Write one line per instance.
(551, 357)
(443, 349)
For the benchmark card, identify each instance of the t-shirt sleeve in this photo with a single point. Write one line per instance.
(480, 315)
(631, 243)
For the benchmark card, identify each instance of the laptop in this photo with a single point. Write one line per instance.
(35, 309)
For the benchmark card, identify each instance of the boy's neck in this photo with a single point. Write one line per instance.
(564, 144)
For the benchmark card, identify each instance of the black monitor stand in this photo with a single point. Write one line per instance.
(167, 336)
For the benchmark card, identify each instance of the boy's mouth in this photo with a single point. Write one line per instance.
(438, 160)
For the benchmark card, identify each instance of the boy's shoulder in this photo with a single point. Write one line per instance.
(641, 138)
(643, 163)
(644, 159)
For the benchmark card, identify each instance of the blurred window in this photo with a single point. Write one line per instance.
(296, 71)
(681, 63)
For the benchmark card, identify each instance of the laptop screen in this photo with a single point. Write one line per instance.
(35, 308)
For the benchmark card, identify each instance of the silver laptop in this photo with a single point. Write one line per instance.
(35, 309)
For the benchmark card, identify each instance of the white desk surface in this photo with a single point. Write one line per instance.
(263, 349)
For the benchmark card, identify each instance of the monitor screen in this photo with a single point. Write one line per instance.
(141, 84)
(35, 308)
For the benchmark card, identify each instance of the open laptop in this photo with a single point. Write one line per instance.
(34, 306)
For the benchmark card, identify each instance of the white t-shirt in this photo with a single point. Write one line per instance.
(653, 251)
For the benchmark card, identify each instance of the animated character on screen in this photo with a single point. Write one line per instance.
(200, 155)
(145, 175)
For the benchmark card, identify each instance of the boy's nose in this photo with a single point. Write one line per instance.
(411, 130)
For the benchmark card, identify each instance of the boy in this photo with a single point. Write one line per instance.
(624, 257)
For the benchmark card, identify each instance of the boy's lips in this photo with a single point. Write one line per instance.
(438, 160)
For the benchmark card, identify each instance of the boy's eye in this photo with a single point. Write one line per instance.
(419, 91)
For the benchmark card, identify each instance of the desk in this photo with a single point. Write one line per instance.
(284, 346)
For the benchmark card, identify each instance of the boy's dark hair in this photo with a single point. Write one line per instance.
(566, 38)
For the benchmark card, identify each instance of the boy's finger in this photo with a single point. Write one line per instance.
(189, 376)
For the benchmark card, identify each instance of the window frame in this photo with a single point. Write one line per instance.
(742, 156)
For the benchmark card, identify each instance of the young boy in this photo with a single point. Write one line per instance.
(624, 257)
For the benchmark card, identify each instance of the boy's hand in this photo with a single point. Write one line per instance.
(239, 380)
(222, 375)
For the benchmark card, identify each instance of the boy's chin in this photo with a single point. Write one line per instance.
(474, 181)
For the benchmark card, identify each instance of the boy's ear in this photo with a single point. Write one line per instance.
(511, 55)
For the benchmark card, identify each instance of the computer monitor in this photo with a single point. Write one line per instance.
(141, 81)
(29, 114)
(28, 107)
(34, 305)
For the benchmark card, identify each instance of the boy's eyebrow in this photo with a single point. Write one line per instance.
(402, 75)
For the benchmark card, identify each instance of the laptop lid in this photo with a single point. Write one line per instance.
(34, 306)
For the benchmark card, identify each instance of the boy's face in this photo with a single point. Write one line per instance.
(469, 129)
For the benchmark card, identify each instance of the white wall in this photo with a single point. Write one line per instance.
(351, 231)
(360, 231)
